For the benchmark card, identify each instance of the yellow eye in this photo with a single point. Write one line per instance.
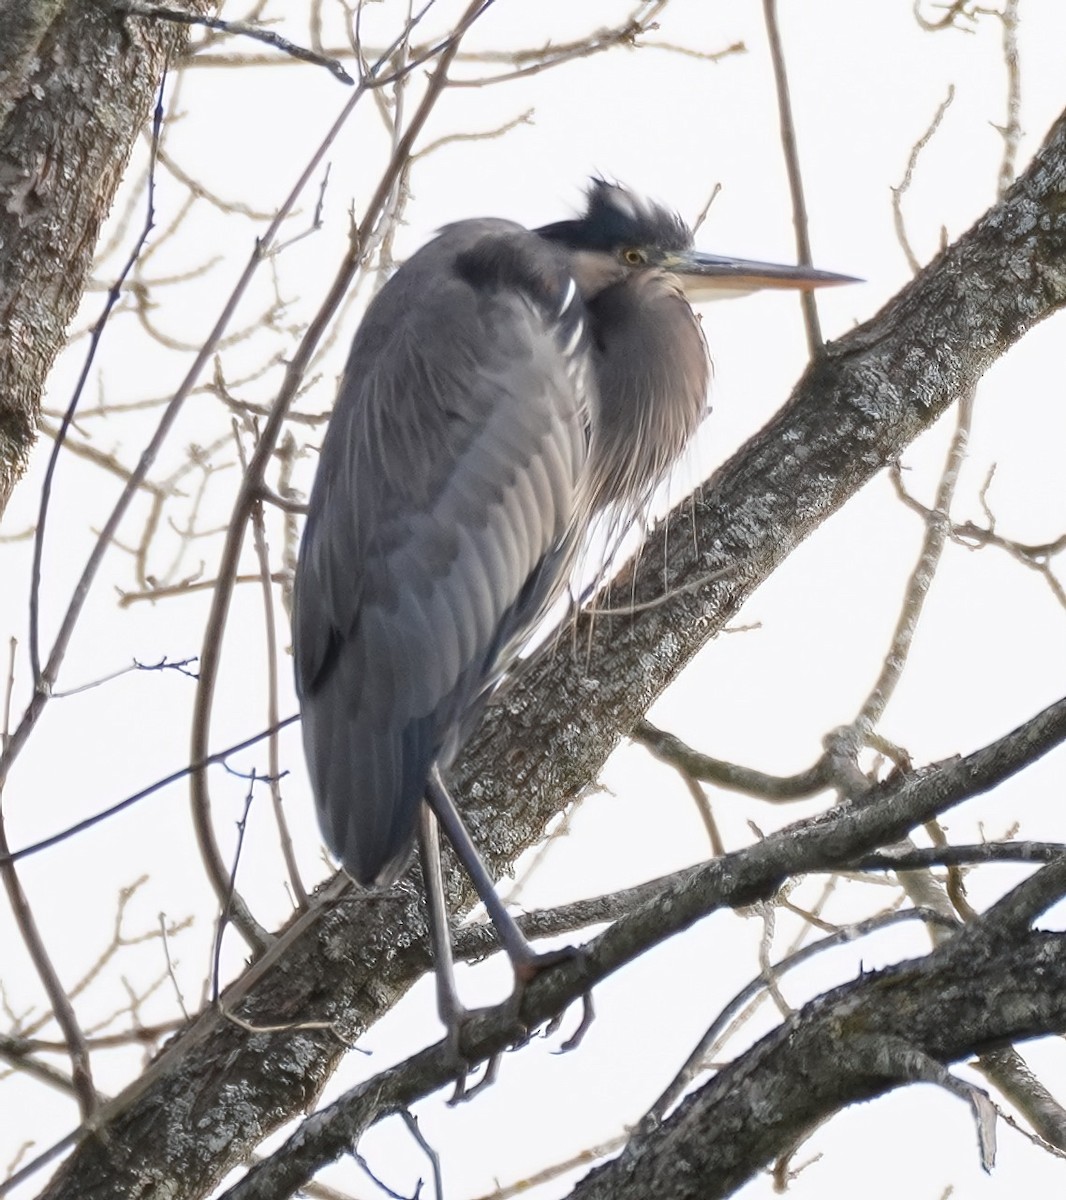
(633, 256)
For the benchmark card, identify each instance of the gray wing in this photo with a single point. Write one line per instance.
(440, 524)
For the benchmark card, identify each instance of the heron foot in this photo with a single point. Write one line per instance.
(463, 1089)
(529, 968)
(457, 1019)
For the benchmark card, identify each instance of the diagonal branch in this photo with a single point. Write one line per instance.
(351, 958)
(853, 413)
(740, 878)
(856, 1042)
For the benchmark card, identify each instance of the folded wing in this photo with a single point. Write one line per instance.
(444, 513)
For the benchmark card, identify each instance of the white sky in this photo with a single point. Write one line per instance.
(865, 84)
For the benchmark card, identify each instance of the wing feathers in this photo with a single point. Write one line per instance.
(449, 476)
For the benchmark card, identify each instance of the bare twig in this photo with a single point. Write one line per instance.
(42, 679)
(815, 345)
(730, 776)
(1012, 127)
(1035, 556)
(223, 916)
(219, 756)
(9, 691)
(170, 966)
(904, 185)
(63, 1010)
(270, 633)
(583, 1158)
(482, 135)
(411, 1121)
(532, 63)
(186, 587)
(917, 590)
(695, 1063)
(161, 12)
(953, 13)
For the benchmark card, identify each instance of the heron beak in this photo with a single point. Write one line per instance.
(712, 277)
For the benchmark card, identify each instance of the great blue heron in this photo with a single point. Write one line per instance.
(505, 387)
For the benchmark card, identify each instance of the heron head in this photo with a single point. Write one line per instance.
(621, 233)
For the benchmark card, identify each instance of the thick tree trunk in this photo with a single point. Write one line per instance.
(77, 82)
(349, 960)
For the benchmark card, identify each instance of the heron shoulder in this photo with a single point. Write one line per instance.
(516, 260)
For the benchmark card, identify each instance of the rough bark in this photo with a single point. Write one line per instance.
(847, 1046)
(77, 83)
(827, 843)
(349, 961)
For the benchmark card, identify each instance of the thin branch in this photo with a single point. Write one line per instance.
(21, 1056)
(1035, 556)
(775, 788)
(695, 1064)
(197, 189)
(1012, 127)
(917, 589)
(270, 631)
(241, 28)
(92, 454)
(482, 135)
(219, 756)
(953, 12)
(904, 185)
(9, 691)
(533, 61)
(187, 587)
(920, 858)
(626, 34)
(62, 1008)
(411, 1121)
(583, 1158)
(815, 344)
(42, 679)
(223, 916)
(170, 966)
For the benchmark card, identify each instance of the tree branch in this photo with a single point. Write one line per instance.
(823, 843)
(350, 959)
(953, 1003)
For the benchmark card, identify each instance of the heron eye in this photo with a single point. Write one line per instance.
(633, 256)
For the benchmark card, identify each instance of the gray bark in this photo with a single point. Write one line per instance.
(849, 1045)
(77, 83)
(826, 843)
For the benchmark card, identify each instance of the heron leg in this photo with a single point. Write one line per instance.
(525, 960)
(449, 1007)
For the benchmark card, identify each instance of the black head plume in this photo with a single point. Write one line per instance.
(615, 218)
